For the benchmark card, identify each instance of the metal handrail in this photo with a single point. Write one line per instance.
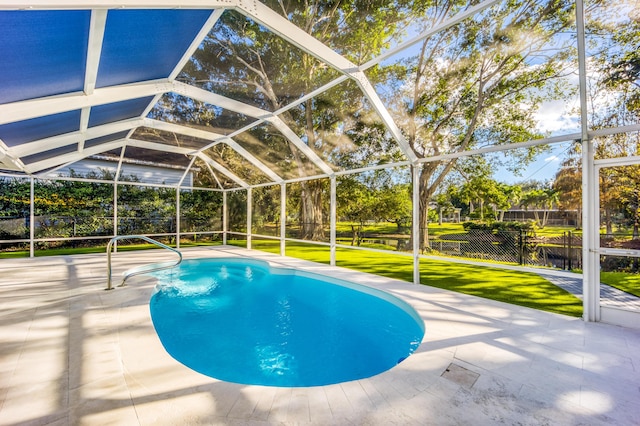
(140, 271)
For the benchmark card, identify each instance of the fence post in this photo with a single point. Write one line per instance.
(521, 247)
(565, 250)
(570, 248)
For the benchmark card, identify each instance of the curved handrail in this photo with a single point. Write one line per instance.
(136, 271)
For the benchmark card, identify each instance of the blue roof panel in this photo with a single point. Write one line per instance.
(39, 128)
(40, 156)
(105, 139)
(142, 45)
(117, 111)
(43, 53)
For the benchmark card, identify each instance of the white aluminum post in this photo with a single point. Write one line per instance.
(32, 216)
(415, 221)
(115, 215)
(249, 213)
(283, 218)
(590, 190)
(332, 219)
(224, 218)
(178, 217)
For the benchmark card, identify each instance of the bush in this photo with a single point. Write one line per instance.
(495, 227)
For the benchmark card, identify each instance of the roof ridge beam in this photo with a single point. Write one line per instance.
(33, 108)
(155, 146)
(219, 100)
(183, 130)
(73, 137)
(72, 156)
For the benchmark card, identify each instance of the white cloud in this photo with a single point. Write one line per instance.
(555, 117)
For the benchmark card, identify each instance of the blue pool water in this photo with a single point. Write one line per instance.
(244, 322)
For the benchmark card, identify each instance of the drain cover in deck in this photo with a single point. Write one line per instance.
(460, 375)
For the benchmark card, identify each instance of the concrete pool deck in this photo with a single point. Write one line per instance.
(72, 353)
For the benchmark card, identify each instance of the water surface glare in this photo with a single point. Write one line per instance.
(244, 322)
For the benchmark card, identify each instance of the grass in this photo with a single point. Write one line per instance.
(514, 287)
(623, 280)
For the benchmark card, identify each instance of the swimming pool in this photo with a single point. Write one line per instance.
(242, 321)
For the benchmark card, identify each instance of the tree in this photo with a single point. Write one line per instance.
(486, 192)
(540, 199)
(243, 60)
(14, 197)
(624, 197)
(478, 83)
(614, 36)
(355, 203)
(394, 205)
(568, 183)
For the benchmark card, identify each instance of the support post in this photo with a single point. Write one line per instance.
(249, 214)
(283, 218)
(415, 221)
(224, 218)
(178, 217)
(590, 190)
(32, 216)
(333, 222)
(115, 215)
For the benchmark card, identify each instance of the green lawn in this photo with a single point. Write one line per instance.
(623, 280)
(518, 288)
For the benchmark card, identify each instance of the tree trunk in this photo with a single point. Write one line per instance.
(545, 218)
(311, 211)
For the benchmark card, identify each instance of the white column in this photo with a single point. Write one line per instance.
(283, 218)
(225, 218)
(115, 215)
(32, 217)
(178, 217)
(590, 190)
(333, 222)
(415, 221)
(249, 213)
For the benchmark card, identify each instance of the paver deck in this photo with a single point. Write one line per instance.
(72, 353)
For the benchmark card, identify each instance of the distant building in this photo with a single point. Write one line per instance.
(554, 217)
(144, 171)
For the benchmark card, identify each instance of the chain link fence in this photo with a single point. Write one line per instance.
(519, 247)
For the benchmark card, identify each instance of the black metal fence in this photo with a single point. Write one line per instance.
(519, 247)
